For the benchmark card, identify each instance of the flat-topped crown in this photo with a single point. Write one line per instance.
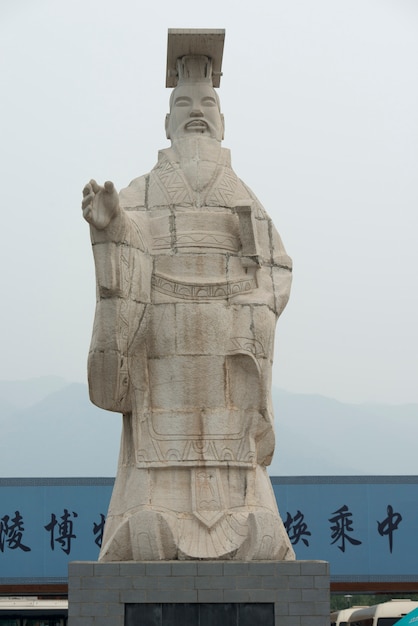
(194, 55)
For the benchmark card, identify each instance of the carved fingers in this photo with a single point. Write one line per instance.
(99, 204)
(87, 203)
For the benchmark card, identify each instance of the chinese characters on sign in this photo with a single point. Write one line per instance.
(61, 531)
(11, 533)
(341, 528)
(342, 525)
(296, 528)
(389, 525)
(98, 530)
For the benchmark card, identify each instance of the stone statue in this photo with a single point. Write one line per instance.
(191, 278)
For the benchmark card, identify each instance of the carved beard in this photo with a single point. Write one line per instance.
(198, 158)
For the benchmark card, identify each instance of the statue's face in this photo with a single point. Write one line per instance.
(194, 109)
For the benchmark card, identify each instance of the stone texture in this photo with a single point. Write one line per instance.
(219, 582)
(191, 278)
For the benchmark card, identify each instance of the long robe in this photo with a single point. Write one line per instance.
(190, 283)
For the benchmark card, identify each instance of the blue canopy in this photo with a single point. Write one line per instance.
(411, 618)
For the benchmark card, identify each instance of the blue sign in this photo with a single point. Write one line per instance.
(45, 523)
(366, 527)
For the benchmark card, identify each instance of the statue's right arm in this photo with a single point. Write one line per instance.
(123, 274)
(109, 226)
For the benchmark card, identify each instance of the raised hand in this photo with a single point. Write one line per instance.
(100, 204)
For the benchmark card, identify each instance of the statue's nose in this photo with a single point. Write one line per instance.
(196, 113)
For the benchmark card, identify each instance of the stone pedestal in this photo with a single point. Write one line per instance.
(183, 593)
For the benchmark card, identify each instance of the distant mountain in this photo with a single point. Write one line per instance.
(23, 393)
(63, 434)
(319, 436)
(50, 428)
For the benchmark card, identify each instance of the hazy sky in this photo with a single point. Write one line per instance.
(320, 100)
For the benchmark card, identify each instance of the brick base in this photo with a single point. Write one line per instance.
(98, 592)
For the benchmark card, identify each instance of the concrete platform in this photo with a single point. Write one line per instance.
(284, 593)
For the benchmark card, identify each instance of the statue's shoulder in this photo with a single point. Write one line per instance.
(266, 230)
(132, 197)
(247, 195)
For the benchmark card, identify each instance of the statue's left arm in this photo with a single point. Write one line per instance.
(281, 270)
(263, 251)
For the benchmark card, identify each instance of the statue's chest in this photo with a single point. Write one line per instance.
(195, 185)
(196, 256)
(192, 232)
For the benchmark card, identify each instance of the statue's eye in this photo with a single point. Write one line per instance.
(208, 102)
(182, 102)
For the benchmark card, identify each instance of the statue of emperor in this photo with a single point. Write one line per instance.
(191, 278)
